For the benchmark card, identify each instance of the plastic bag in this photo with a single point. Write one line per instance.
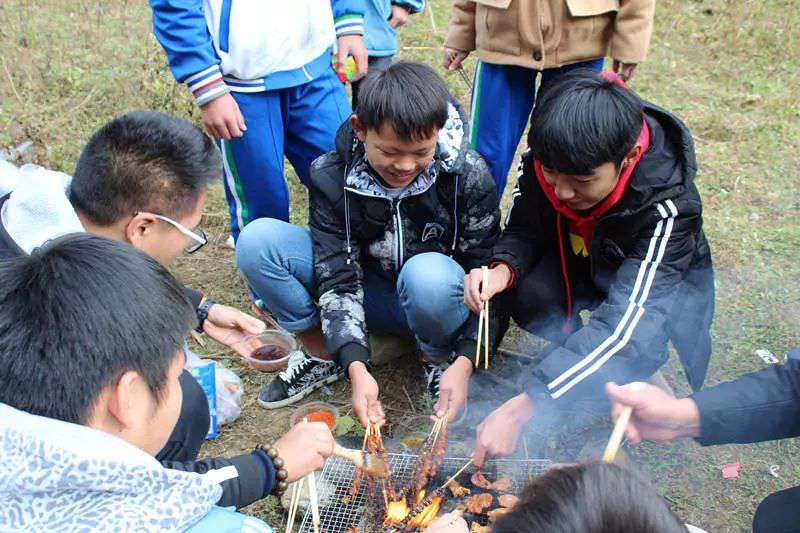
(228, 390)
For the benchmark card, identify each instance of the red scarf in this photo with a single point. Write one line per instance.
(583, 225)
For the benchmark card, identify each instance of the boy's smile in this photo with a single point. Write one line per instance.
(398, 162)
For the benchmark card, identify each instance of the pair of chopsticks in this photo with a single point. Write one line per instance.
(483, 326)
(617, 434)
(297, 489)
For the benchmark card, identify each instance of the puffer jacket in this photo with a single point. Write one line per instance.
(648, 256)
(451, 208)
(541, 34)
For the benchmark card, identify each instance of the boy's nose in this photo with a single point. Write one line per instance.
(564, 193)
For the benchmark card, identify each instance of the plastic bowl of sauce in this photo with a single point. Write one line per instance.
(270, 350)
(316, 412)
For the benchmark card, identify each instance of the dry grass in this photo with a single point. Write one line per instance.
(730, 69)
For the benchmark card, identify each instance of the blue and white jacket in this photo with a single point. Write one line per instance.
(216, 46)
(380, 38)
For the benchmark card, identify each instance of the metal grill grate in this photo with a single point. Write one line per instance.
(337, 476)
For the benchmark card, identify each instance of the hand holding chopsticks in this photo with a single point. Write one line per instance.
(617, 434)
(483, 325)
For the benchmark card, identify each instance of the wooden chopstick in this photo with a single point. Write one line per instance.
(618, 433)
(312, 495)
(485, 320)
(296, 490)
(454, 476)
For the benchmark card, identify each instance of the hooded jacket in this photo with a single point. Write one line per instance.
(648, 256)
(35, 208)
(451, 208)
(57, 476)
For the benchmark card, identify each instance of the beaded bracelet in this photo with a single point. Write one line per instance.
(281, 474)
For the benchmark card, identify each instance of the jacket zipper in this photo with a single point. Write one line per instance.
(399, 234)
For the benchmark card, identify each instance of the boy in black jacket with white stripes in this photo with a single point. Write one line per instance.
(606, 218)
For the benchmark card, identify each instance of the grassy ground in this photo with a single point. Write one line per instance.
(730, 69)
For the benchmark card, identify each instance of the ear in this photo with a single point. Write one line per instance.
(139, 228)
(358, 128)
(632, 156)
(123, 398)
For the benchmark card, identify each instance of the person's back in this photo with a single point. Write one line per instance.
(90, 392)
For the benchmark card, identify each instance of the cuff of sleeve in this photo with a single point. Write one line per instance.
(352, 352)
(535, 388)
(350, 24)
(256, 477)
(466, 348)
(207, 85)
(511, 268)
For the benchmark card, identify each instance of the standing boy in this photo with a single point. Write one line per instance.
(261, 74)
(606, 218)
(519, 41)
(398, 212)
(382, 21)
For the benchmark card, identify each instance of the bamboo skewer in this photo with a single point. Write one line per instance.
(485, 320)
(454, 476)
(312, 495)
(293, 504)
(617, 434)
(478, 345)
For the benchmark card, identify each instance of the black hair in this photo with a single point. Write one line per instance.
(582, 121)
(409, 96)
(592, 497)
(77, 314)
(143, 161)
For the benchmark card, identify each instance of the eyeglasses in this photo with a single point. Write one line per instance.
(198, 236)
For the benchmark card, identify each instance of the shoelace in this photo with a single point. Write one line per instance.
(298, 361)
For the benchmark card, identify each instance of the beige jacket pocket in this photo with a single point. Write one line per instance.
(590, 8)
(500, 4)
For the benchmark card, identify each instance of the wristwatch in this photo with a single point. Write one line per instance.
(202, 313)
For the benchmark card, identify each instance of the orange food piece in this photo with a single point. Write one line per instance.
(503, 484)
(476, 504)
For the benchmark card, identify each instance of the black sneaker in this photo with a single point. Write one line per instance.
(304, 375)
(433, 374)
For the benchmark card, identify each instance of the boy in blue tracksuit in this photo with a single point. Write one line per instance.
(382, 21)
(261, 74)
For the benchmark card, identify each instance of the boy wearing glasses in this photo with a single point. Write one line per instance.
(141, 179)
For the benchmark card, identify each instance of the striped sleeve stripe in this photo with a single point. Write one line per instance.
(349, 24)
(207, 85)
(634, 312)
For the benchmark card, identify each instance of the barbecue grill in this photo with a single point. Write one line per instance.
(337, 477)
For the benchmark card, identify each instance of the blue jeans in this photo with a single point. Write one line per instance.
(511, 89)
(298, 122)
(277, 259)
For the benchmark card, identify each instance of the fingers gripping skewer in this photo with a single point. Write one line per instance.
(483, 326)
(617, 434)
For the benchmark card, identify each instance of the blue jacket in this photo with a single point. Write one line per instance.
(226, 520)
(216, 46)
(380, 38)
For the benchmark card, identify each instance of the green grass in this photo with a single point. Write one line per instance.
(729, 69)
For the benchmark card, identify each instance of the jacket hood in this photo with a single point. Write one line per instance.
(38, 208)
(669, 165)
(57, 476)
(451, 149)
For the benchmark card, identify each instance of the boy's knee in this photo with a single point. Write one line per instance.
(431, 278)
(257, 241)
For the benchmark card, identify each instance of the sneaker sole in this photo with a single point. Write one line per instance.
(297, 397)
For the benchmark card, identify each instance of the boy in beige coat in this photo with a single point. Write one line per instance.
(517, 40)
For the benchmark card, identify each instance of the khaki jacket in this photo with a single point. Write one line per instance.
(542, 34)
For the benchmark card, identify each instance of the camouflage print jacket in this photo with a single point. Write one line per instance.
(451, 208)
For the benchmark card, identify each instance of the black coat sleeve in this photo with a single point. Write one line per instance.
(756, 407)
(254, 480)
(626, 336)
(338, 273)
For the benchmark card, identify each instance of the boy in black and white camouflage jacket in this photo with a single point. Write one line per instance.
(398, 213)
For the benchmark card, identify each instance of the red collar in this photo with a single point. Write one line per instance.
(611, 199)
